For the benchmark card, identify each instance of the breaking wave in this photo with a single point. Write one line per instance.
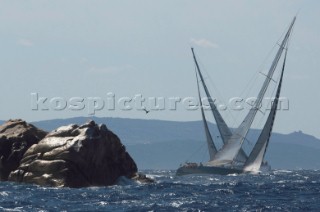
(279, 190)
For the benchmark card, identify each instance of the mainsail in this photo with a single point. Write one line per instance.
(233, 145)
(211, 147)
(224, 130)
(257, 154)
(231, 159)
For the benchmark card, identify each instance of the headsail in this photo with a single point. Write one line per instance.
(211, 147)
(257, 154)
(233, 145)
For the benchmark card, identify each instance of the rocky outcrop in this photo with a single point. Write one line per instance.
(16, 136)
(76, 156)
(142, 178)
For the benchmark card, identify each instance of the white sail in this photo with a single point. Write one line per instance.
(228, 159)
(211, 147)
(224, 130)
(256, 156)
(233, 145)
(254, 167)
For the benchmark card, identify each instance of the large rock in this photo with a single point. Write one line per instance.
(16, 136)
(76, 156)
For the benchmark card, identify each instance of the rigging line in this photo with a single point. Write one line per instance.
(260, 67)
(289, 39)
(268, 77)
(246, 89)
(253, 84)
(275, 87)
(203, 157)
(217, 92)
(291, 25)
(195, 152)
(201, 103)
(272, 49)
(270, 100)
(246, 139)
(278, 87)
(254, 80)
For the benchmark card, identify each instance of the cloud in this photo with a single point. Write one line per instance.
(204, 43)
(25, 42)
(109, 69)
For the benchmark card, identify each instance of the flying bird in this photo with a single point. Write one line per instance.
(147, 111)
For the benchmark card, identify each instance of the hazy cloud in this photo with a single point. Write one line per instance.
(203, 43)
(25, 42)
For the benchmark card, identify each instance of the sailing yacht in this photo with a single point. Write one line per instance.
(231, 158)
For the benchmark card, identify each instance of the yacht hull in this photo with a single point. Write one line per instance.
(184, 170)
(194, 168)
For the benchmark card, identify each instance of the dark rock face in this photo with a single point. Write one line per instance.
(76, 156)
(16, 136)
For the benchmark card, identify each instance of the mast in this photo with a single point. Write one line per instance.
(245, 125)
(231, 148)
(211, 147)
(258, 152)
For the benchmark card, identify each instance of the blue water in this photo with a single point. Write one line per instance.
(275, 191)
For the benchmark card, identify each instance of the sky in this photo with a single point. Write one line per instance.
(108, 52)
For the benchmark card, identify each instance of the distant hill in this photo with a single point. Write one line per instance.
(156, 144)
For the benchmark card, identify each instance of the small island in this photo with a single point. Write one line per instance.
(70, 156)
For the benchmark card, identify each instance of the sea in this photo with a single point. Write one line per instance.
(278, 190)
